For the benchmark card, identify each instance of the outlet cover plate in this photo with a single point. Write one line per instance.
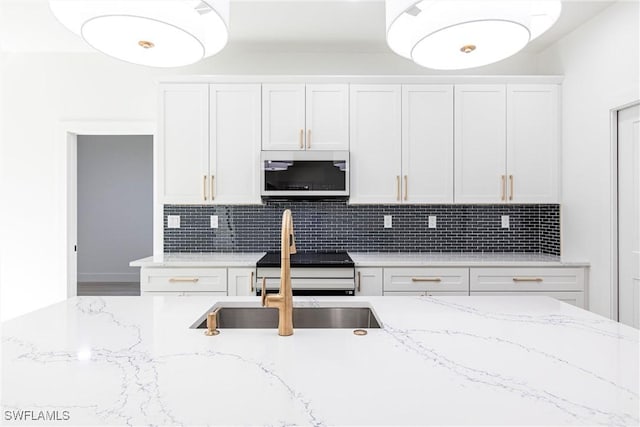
(505, 221)
(388, 221)
(432, 221)
(173, 221)
(214, 221)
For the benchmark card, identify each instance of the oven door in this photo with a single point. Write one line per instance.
(309, 281)
(304, 174)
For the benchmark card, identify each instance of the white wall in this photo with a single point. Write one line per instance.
(600, 62)
(42, 89)
(115, 206)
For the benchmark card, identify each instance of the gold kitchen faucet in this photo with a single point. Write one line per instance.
(283, 300)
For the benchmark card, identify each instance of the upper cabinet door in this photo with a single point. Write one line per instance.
(235, 143)
(375, 143)
(327, 117)
(480, 144)
(533, 148)
(183, 133)
(283, 121)
(427, 143)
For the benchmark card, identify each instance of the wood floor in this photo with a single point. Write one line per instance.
(108, 289)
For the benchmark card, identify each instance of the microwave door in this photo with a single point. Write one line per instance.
(304, 177)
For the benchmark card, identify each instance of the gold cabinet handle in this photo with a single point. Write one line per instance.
(251, 283)
(528, 279)
(213, 191)
(184, 279)
(406, 187)
(359, 281)
(426, 279)
(308, 138)
(301, 137)
(503, 184)
(204, 188)
(398, 187)
(511, 187)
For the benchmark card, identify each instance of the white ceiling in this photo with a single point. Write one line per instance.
(272, 25)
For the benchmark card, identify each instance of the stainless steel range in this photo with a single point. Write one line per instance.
(312, 273)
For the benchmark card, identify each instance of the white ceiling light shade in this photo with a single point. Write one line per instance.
(457, 34)
(156, 33)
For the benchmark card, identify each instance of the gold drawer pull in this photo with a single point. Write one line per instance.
(184, 279)
(398, 187)
(511, 187)
(301, 137)
(406, 187)
(204, 188)
(503, 187)
(309, 138)
(426, 279)
(528, 279)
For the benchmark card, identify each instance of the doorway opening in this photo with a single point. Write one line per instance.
(72, 132)
(114, 211)
(627, 236)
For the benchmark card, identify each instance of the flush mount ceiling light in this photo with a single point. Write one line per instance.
(157, 33)
(457, 34)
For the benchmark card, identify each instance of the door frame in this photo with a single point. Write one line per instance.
(615, 266)
(68, 131)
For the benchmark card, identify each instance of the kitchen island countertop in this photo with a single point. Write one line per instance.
(437, 360)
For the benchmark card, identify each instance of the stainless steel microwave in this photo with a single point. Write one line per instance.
(304, 174)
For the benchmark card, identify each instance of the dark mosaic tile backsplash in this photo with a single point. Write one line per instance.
(331, 225)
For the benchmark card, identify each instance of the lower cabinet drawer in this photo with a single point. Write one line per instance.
(426, 279)
(184, 280)
(426, 294)
(527, 279)
(573, 298)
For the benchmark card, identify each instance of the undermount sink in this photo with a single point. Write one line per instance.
(230, 317)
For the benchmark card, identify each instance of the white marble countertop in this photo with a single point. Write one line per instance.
(367, 259)
(454, 259)
(437, 360)
(200, 259)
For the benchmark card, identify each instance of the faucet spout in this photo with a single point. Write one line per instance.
(283, 300)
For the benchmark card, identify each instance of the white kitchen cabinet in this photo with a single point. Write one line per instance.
(375, 143)
(183, 132)
(369, 282)
(427, 143)
(241, 281)
(210, 143)
(305, 117)
(559, 282)
(283, 120)
(183, 280)
(327, 117)
(480, 143)
(234, 149)
(507, 146)
(426, 279)
(533, 148)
